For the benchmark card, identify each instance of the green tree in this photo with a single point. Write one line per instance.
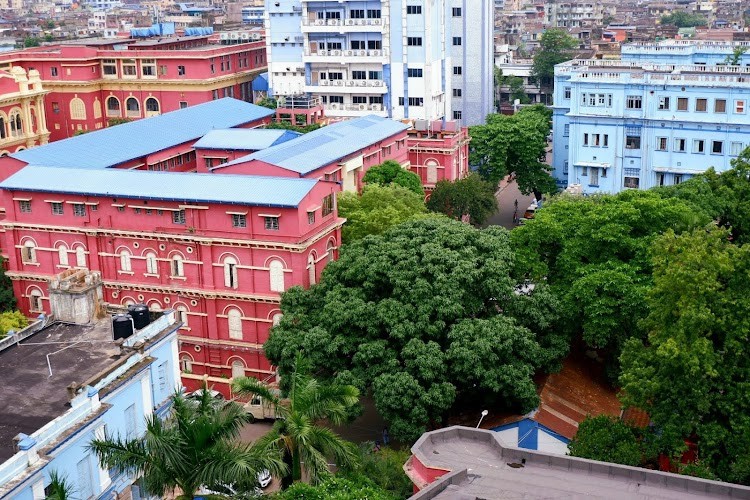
(357, 487)
(267, 102)
(377, 209)
(401, 314)
(59, 488)
(302, 129)
(516, 89)
(608, 439)
(555, 46)
(7, 298)
(12, 320)
(516, 143)
(117, 121)
(683, 19)
(31, 41)
(297, 434)
(196, 446)
(595, 253)
(384, 468)
(470, 196)
(735, 58)
(390, 172)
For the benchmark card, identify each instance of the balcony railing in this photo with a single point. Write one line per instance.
(349, 83)
(353, 107)
(343, 22)
(347, 53)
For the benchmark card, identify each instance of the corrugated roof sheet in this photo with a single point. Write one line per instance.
(248, 139)
(326, 145)
(172, 186)
(114, 145)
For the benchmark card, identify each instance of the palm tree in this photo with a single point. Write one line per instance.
(59, 488)
(195, 446)
(297, 433)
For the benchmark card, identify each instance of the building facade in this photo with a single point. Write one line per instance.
(383, 57)
(90, 83)
(22, 116)
(628, 124)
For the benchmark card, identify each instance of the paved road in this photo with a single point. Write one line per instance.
(506, 197)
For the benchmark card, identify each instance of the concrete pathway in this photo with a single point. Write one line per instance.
(506, 195)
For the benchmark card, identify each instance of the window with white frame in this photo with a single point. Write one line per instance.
(234, 318)
(182, 315)
(35, 300)
(330, 248)
(566, 93)
(311, 269)
(109, 67)
(28, 252)
(186, 364)
(62, 255)
(701, 105)
(230, 273)
(239, 220)
(680, 145)
(699, 146)
(178, 268)
(271, 223)
(276, 319)
(57, 208)
(664, 103)
(152, 265)
(128, 68)
(276, 271)
(736, 148)
(79, 210)
(717, 147)
(585, 139)
(311, 217)
(677, 179)
(148, 68)
(432, 172)
(682, 104)
(80, 256)
(634, 102)
(661, 143)
(24, 206)
(566, 130)
(238, 368)
(739, 106)
(178, 217)
(125, 263)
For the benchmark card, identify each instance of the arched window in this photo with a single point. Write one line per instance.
(311, 269)
(28, 252)
(330, 249)
(230, 273)
(238, 368)
(432, 172)
(276, 269)
(234, 317)
(132, 107)
(154, 306)
(62, 255)
(186, 364)
(125, 263)
(152, 267)
(113, 106)
(177, 266)
(152, 105)
(35, 300)
(182, 315)
(276, 319)
(77, 109)
(16, 127)
(80, 257)
(3, 132)
(97, 108)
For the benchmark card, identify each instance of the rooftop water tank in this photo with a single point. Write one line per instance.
(122, 326)
(140, 315)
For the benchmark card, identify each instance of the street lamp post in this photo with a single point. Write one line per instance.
(484, 414)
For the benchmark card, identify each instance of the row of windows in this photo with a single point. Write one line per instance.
(597, 100)
(413, 101)
(28, 254)
(701, 104)
(596, 140)
(132, 106)
(129, 68)
(699, 146)
(171, 163)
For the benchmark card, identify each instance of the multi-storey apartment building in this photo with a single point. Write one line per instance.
(631, 124)
(391, 58)
(576, 14)
(92, 82)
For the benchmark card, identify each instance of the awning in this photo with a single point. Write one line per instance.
(594, 164)
(678, 170)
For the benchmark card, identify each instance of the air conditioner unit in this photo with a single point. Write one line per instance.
(320, 22)
(350, 83)
(375, 53)
(362, 53)
(224, 36)
(369, 22)
(349, 53)
(370, 83)
(363, 107)
(324, 83)
(376, 22)
(349, 22)
(362, 83)
(245, 36)
(234, 36)
(377, 83)
(334, 106)
(255, 36)
(338, 83)
(375, 107)
(335, 53)
(360, 22)
(331, 22)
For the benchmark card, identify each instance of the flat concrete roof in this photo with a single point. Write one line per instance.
(480, 465)
(29, 397)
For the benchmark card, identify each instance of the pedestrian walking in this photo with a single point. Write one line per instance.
(386, 437)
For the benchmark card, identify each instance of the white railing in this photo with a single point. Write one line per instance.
(354, 107)
(343, 22)
(347, 53)
(349, 83)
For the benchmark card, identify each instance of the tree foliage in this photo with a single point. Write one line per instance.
(7, 298)
(59, 487)
(350, 487)
(390, 172)
(296, 434)
(196, 446)
(404, 314)
(470, 196)
(516, 143)
(384, 468)
(267, 102)
(377, 209)
(683, 19)
(692, 373)
(284, 125)
(31, 41)
(608, 439)
(12, 320)
(555, 46)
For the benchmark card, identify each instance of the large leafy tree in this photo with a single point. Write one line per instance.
(470, 196)
(607, 439)
(390, 172)
(516, 143)
(196, 446)
(7, 299)
(338, 488)
(405, 315)
(555, 46)
(297, 432)
(377, 209)
(692, 374)
(595, 253)
(683, 19)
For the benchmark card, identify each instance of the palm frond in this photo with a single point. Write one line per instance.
(343, 453)
(59, 488)
(315, 464)
(233, 464)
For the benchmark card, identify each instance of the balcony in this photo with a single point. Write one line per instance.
(376, 87)
(346, 56)
(342, 25)
(335, 109)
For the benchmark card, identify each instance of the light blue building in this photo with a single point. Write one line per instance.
(65, 384)
(398, 59)
(663, 113)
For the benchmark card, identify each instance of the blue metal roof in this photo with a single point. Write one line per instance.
(114, 145)
(248, 139)
(170, 186)
(326, 145)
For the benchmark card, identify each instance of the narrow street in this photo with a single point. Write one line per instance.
(506, 196)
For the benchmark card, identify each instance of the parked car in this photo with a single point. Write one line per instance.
(258, 409)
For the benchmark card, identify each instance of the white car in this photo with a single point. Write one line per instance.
(264, 478)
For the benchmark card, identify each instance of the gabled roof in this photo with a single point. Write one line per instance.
(326, 145)
(114, 145)
(245, 139)
(169, 186)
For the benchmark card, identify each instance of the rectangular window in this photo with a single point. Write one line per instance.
(584, 171)
(163, 69)
(357, 13)
(327, 205)
(128, 67)
(631, 182)
(414, 41)
(634, 102)
(632, 142)
(457, 70)
(456, 115)
(359, 75)
(359, 99)
(148, 67)
(414, 72)
(183, 104)
(53, 71)
(661, 143)
(416, 101)
(456, 40)
(739, 106)
(79, 210)
(717, 147)
(699, 146)
(736, 150)
(109, 67)
(701, 105)
(456, 11)
(605, 143)
(375, 75)
(680, 145)
(131, 425)
(677, 179)
(566, 92)
(682, 104)
(456, 92)
(180, 70)
(373, 13)
(178, 217)
(239, 220)
(660, 179)
(720, 106)
(565, 167)
(566, 130)
(311, 217)
(24, 206)
(271, 223)
(57, 209)
(585, 139)
(413, 9)
(664, 103)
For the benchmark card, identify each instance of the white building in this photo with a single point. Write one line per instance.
(384, 57)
